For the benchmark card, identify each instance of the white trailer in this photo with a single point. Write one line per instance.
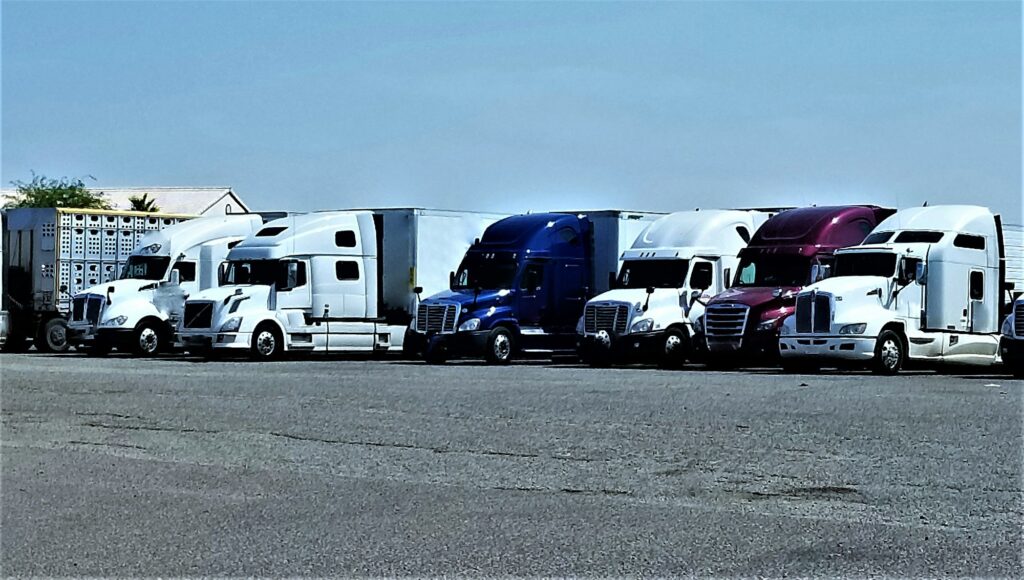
(51, 254)
(139, 311)
(929, 284)
(677, 261)
(339, 281)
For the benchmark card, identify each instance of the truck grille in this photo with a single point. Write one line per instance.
(1018, 319)
(813, 312)
(725, 320)
(198, 315)
(437, 318)
(87, 308)
(610, 318)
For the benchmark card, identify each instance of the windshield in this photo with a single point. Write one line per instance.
(145, 267)
(865, 264)
(261, 272)
(486, 271)
(656, 273)
(760, 270)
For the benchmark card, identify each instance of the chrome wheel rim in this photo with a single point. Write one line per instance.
(148, 340)
(890, 354)
(502, 346)
(672, 343)
(266, 343)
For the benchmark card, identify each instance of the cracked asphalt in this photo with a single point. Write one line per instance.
(171, 467)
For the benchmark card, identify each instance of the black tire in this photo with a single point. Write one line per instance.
(1018, 371)
(890, 354)
(148, 339)
(52, 336)
(267, 343)
(501, 346)
(674, 347)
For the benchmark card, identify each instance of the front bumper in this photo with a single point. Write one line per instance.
(455, 344)
(642, 346)
(853, 348)
(1012, 351)
(760, 343)
(206, 341)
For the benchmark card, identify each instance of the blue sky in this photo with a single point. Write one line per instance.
(520, 106)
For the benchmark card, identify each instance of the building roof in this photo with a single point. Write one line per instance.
(173, 200)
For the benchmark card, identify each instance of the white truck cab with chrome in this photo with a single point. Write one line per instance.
(677, 263)
(928, 284)
(138, 312)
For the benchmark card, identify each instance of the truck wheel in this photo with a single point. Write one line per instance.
(673, 352)
(889, 354)
(53, 336)
(267, 343)
(147, 340)
(500, 346)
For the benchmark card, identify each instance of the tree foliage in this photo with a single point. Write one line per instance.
(143, 203)
(43, 191)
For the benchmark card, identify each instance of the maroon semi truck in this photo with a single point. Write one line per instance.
(789, 251)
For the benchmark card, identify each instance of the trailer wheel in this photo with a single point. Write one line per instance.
(53, 336)
(673, 352)
(147, 340)
(889, 354)
(500, 346)
(267, 343)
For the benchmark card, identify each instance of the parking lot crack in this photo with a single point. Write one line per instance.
(148, 428)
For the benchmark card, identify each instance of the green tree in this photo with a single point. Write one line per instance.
(143, 203)
(47, 192)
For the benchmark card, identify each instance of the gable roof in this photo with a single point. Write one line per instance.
(173, 200)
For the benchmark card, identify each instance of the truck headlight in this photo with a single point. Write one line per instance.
(698, 325)
(232, 325)
(642, 325)
(768, 324)
(470, 325)
(116, 321)
(580, 329)
(1007, 329)
(853, 328)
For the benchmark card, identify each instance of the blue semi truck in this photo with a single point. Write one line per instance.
(521, 288)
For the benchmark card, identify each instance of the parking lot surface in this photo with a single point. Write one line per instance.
(176, 467)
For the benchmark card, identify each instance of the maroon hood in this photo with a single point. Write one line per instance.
(760, 297)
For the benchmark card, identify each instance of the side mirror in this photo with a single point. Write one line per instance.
(611, 280)
(921, 274)
(451, 279)
(650, 289)
(823, 271)
(417, 290)
(175, 277)
(815, 271)
(222, 273)
(694, 296)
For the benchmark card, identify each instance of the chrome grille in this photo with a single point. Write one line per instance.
(1018, 319)
(437, 318)
(610, 318)
(93, 308)
(78, 308)
(198, 315)
(813, 312)
(725, 320)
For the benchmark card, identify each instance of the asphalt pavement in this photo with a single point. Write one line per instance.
(125, 467)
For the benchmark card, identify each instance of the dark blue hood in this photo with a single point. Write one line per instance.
(485, 299)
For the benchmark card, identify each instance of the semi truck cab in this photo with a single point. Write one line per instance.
(139, 311)
(791, 250)
(679, 262)
(1011, 340)
(926, 285)
(519, 287)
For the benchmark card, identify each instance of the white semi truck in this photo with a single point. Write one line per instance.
(678, 262)
(929, 284)
(51, 254)
(139, 311)
(337, 281)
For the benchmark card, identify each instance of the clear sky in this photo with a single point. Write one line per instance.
(522, 106)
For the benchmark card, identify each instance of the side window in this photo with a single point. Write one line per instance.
(533, 278)
(294, 274)
(701, 277)
(186, 271)
(346, 270)
(748, 274)
(970, 242)
(345, 239)
(727, 277)
(977, 285)
(569, 236)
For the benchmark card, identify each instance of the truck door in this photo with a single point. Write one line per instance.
(570, 296)
(533, 294)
